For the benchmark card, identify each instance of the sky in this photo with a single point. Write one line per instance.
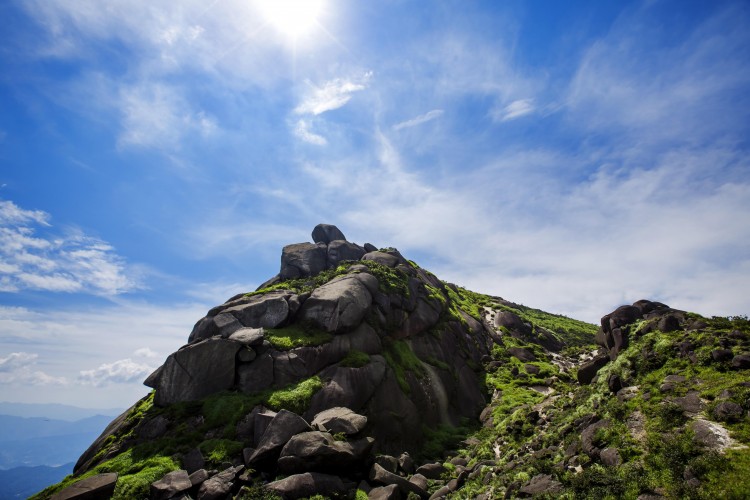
(155, 156)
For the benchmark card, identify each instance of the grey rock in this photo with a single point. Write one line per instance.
(196, 371)
(98, 487)
(542, 484)
(387, 462)
(248, 336)
(339, 420)
(307, 485)
(338, 306)
(153, 428)
(390, 492)
(728, 411)
(691, 403)
(246, 355)
(406, 463)
(282, 427)
(610, 457)
(522, 353)
(511, 322)
(369, 247)
(432, 471)
(587, 371)
(383, 258)
(263, 311)
(722, 355)
(193, 460)
(198, 477)
(226, 324)
(339, 251)
(256, 376)
(588, 441)
(741, 361)
(349, 387)
(419, 480)
(288, 368)
(302, 260)
(381, 476)
(327, 233)
(319, 451)
(172, 484)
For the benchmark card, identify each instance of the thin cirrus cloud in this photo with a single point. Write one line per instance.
(69, 262)
(516, 109)
(331, 95)
(419, 120)
(158, 116)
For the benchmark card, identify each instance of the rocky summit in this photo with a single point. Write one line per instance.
(354, 373)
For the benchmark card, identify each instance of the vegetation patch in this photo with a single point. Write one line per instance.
(296, 335)
(219, 451)
(295, 398)
(355, 359)
(401, 359)
(391, 281)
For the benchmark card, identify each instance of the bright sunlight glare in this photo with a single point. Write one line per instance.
(293, 18)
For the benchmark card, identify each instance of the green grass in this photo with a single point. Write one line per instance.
(296, 398)
(296, 335)
(219, 451)
(355, 359)
(390, 281)
(572, 331)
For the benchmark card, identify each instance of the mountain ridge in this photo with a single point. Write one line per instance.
(513, 401)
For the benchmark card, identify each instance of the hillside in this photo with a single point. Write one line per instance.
(356, 373)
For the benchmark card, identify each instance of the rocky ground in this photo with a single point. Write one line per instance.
(354, 373)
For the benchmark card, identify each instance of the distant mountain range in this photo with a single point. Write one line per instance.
(37, 450)
(56, 411)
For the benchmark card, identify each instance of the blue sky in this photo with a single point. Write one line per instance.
(155, 157)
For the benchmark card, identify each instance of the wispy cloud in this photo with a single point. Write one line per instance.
(69, 262)
(144, 352)
(515, 109)
(419, 120)
(302, 131)
(119, 372)
(333, 94)
(16, 369)
(155, 115)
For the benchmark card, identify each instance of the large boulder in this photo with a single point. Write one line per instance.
(98, 487)
(340, 305)
(379, 475)
(257, 375)
(307, 485)
(280, 430)
(512, 322)
(170, 485)
(195, 372)
(339, 420)
(348, 386)
(587, 371)
(319, 451)
(303, 259)
(266, 311)
(339, 251)
(327, 233)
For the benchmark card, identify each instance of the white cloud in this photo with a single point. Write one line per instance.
(119, 372)
(16, 369)
(418, 120)
(78, 338)
(331, 95)
(72, 262)
(16, 360)
(156, 115)
(515, 109)
(302, 130)
(145, 352)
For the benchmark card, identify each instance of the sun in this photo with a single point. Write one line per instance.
(292, 18)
